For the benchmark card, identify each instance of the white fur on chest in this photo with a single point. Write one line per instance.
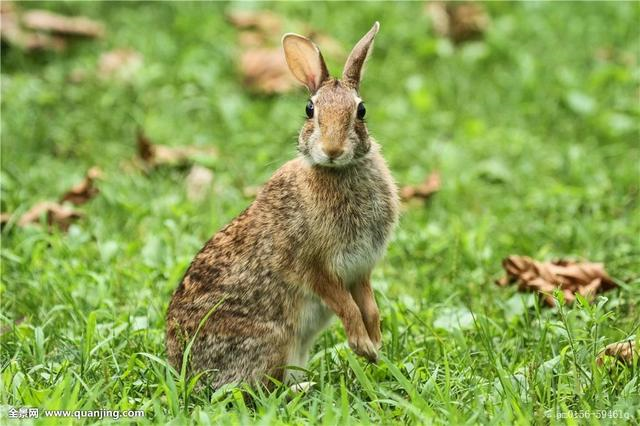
(355, 254)
(355, 259)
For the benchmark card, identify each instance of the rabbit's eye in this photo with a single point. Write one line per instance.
(361, 110)
(309, 109)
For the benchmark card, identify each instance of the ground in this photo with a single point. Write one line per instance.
(534, 129)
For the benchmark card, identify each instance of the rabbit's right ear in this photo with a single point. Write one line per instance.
(305, 61)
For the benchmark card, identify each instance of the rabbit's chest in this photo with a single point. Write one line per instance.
(360, 231)
(355, 255)
(350, 217)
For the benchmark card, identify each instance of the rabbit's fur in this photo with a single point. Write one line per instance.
(304, 250)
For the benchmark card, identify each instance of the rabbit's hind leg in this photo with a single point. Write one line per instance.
(239, 359)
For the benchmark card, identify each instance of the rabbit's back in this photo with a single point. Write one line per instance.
(241, 274)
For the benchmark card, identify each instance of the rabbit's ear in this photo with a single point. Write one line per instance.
(305, 61)
(352, 73)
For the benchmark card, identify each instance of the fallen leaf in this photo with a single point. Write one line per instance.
(84, 190)
(262, 63)
(424, 190)
(77, 75)
(12, 33)
(146, 150)
(199, 182)
(7, 327)
(56, 214)
(180, 154)
(155, 155)
(121, 64)
(468, 21)
(610, 54)
(4, 218)
(624, 351)
(265, 70)
(42, 20)
(604, 53)
(261, 20)
(437, 13)
(251, 39)
(7, 7)
(330, 46)
(584, 278)
(458, 21)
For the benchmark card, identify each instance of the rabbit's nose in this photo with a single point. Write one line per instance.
(333, 152)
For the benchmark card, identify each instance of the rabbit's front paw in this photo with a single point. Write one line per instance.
(372, 323)
(376, 338)
(363, 346)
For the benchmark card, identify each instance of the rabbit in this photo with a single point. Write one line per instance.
(303, 251)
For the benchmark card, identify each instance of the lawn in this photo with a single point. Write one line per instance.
(534, 129)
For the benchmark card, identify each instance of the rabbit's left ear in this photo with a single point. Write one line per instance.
(352, 73)
(305, 61)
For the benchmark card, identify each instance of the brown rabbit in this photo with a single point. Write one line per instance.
(303, 250)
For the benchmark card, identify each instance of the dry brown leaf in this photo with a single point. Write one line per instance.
(468, 21)
(458, 21)
(199, 182)
(251, 39)
(7, 7)
(7, 327)
(121, 64)
(155, 155)
(604, 53)
(42, 20)
(56, 214)
(329, 45)
(437, 13)
(181, 154)
(146, 150)
(610, 54)
(624, 351)
(424, 190)
(261, 28)
(584, 278)
(265, 70)
(262, 63)
(84, 190)
(4, 218)
(77, 75)
(13, 34)
(260, 20)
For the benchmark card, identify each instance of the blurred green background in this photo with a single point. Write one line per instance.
(534, 129)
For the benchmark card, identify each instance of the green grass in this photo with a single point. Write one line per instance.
(538, 144)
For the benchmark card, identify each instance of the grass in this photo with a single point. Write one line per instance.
(535, 132)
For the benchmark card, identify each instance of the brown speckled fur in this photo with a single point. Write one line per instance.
(301, 252)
